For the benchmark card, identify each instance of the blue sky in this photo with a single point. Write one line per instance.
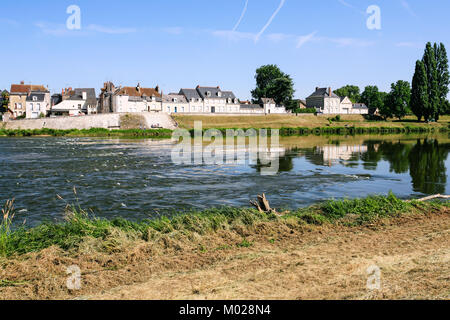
(176, 43)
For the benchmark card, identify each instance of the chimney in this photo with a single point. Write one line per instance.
(22, 82)
(317, 88)
(84, 95)
(157, 88)
(329, 91)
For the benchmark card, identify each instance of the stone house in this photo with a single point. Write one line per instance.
(324, 100)
(129, 99)
(18, 97)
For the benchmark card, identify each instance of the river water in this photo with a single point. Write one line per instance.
(137, 179)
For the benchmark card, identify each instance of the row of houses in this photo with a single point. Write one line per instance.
(34, 101)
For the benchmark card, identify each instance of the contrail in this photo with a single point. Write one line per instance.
(242, 16)
(270, 20)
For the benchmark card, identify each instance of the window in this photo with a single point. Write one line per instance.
(31, 106)
(34, 98)
(38, 107)
(219, 94)
(208, 93)
(79, 107)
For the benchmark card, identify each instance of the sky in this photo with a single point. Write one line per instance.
(184, 43)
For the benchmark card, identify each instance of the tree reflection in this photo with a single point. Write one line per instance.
(427, 166)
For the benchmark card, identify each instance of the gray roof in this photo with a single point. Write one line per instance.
(190, 94)
(170, 97)
(228, 95)
(359, 106)
(203, 92)
(323, 92)
(90, 93)
(39, 96)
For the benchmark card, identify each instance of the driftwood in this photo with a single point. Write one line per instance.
(263, 205)
(436, 196)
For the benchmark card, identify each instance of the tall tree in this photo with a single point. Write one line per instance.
(372, 98)
(430, 63)
(443, 77)
(271, 82)
(397, 101)
(419, 93)
(353, 92)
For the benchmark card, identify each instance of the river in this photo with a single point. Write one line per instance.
(137, 179)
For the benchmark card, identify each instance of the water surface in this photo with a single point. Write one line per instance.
(136, 178)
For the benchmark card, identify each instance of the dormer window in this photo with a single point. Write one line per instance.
(34, 98)
(219, 94)
(175, 99)
(208, 93)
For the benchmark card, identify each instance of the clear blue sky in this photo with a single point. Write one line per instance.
(182, 43)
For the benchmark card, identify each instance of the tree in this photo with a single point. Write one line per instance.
(271, 82)
(430, 63)
(397, 101)
(372, 98)
(443, 77)
(419, 93)
(353, 92)
(4, 102)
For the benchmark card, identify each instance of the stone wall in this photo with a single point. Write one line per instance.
(107, 121)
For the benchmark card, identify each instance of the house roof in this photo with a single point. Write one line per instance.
(228, 95)
(323, 92)
(359, 106)
(251, 106)
(138, 92)
(170, 97)
(40, 96)
(77, 94)
(267, 101)
(216, 93)
(190, 94)
(27, 88)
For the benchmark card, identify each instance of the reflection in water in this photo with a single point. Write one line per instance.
(137, 178)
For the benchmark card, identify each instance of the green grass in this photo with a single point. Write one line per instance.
(167, 133)
(79, 225)
(94, 132)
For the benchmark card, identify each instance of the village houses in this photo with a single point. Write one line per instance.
(80, 101)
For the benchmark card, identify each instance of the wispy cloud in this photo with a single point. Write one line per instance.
(233, 35)
(110, 30)
(258, 36)
(173, 30)
(408, 8)
(242, 16)
(409, 44)
(304, 39)
(10, 22)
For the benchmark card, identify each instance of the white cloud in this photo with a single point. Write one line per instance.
(173, 30)
(233, 35)
(61, 29)
(350, 42)
(304, 39)
(110, 30)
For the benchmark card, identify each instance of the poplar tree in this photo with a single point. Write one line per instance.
(419, 92)
(430, 63)
(443, 77)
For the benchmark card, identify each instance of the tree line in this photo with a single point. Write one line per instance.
(425, 96)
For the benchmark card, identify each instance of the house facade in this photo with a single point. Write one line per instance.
(325, 101)
(18, 97)
(37, 105)
(77, 102)
(175, 103)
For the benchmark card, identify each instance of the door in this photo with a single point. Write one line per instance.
(213, 109)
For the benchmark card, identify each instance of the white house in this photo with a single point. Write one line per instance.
(37, 105)
(81, 101)
(327, 102)
(136, 99)
(175, 103)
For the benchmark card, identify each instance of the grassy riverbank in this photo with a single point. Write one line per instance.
(79, 226)
(318, 252)
(95, 132)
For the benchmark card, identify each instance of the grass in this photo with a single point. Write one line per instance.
(94, 132)
(80, 226)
